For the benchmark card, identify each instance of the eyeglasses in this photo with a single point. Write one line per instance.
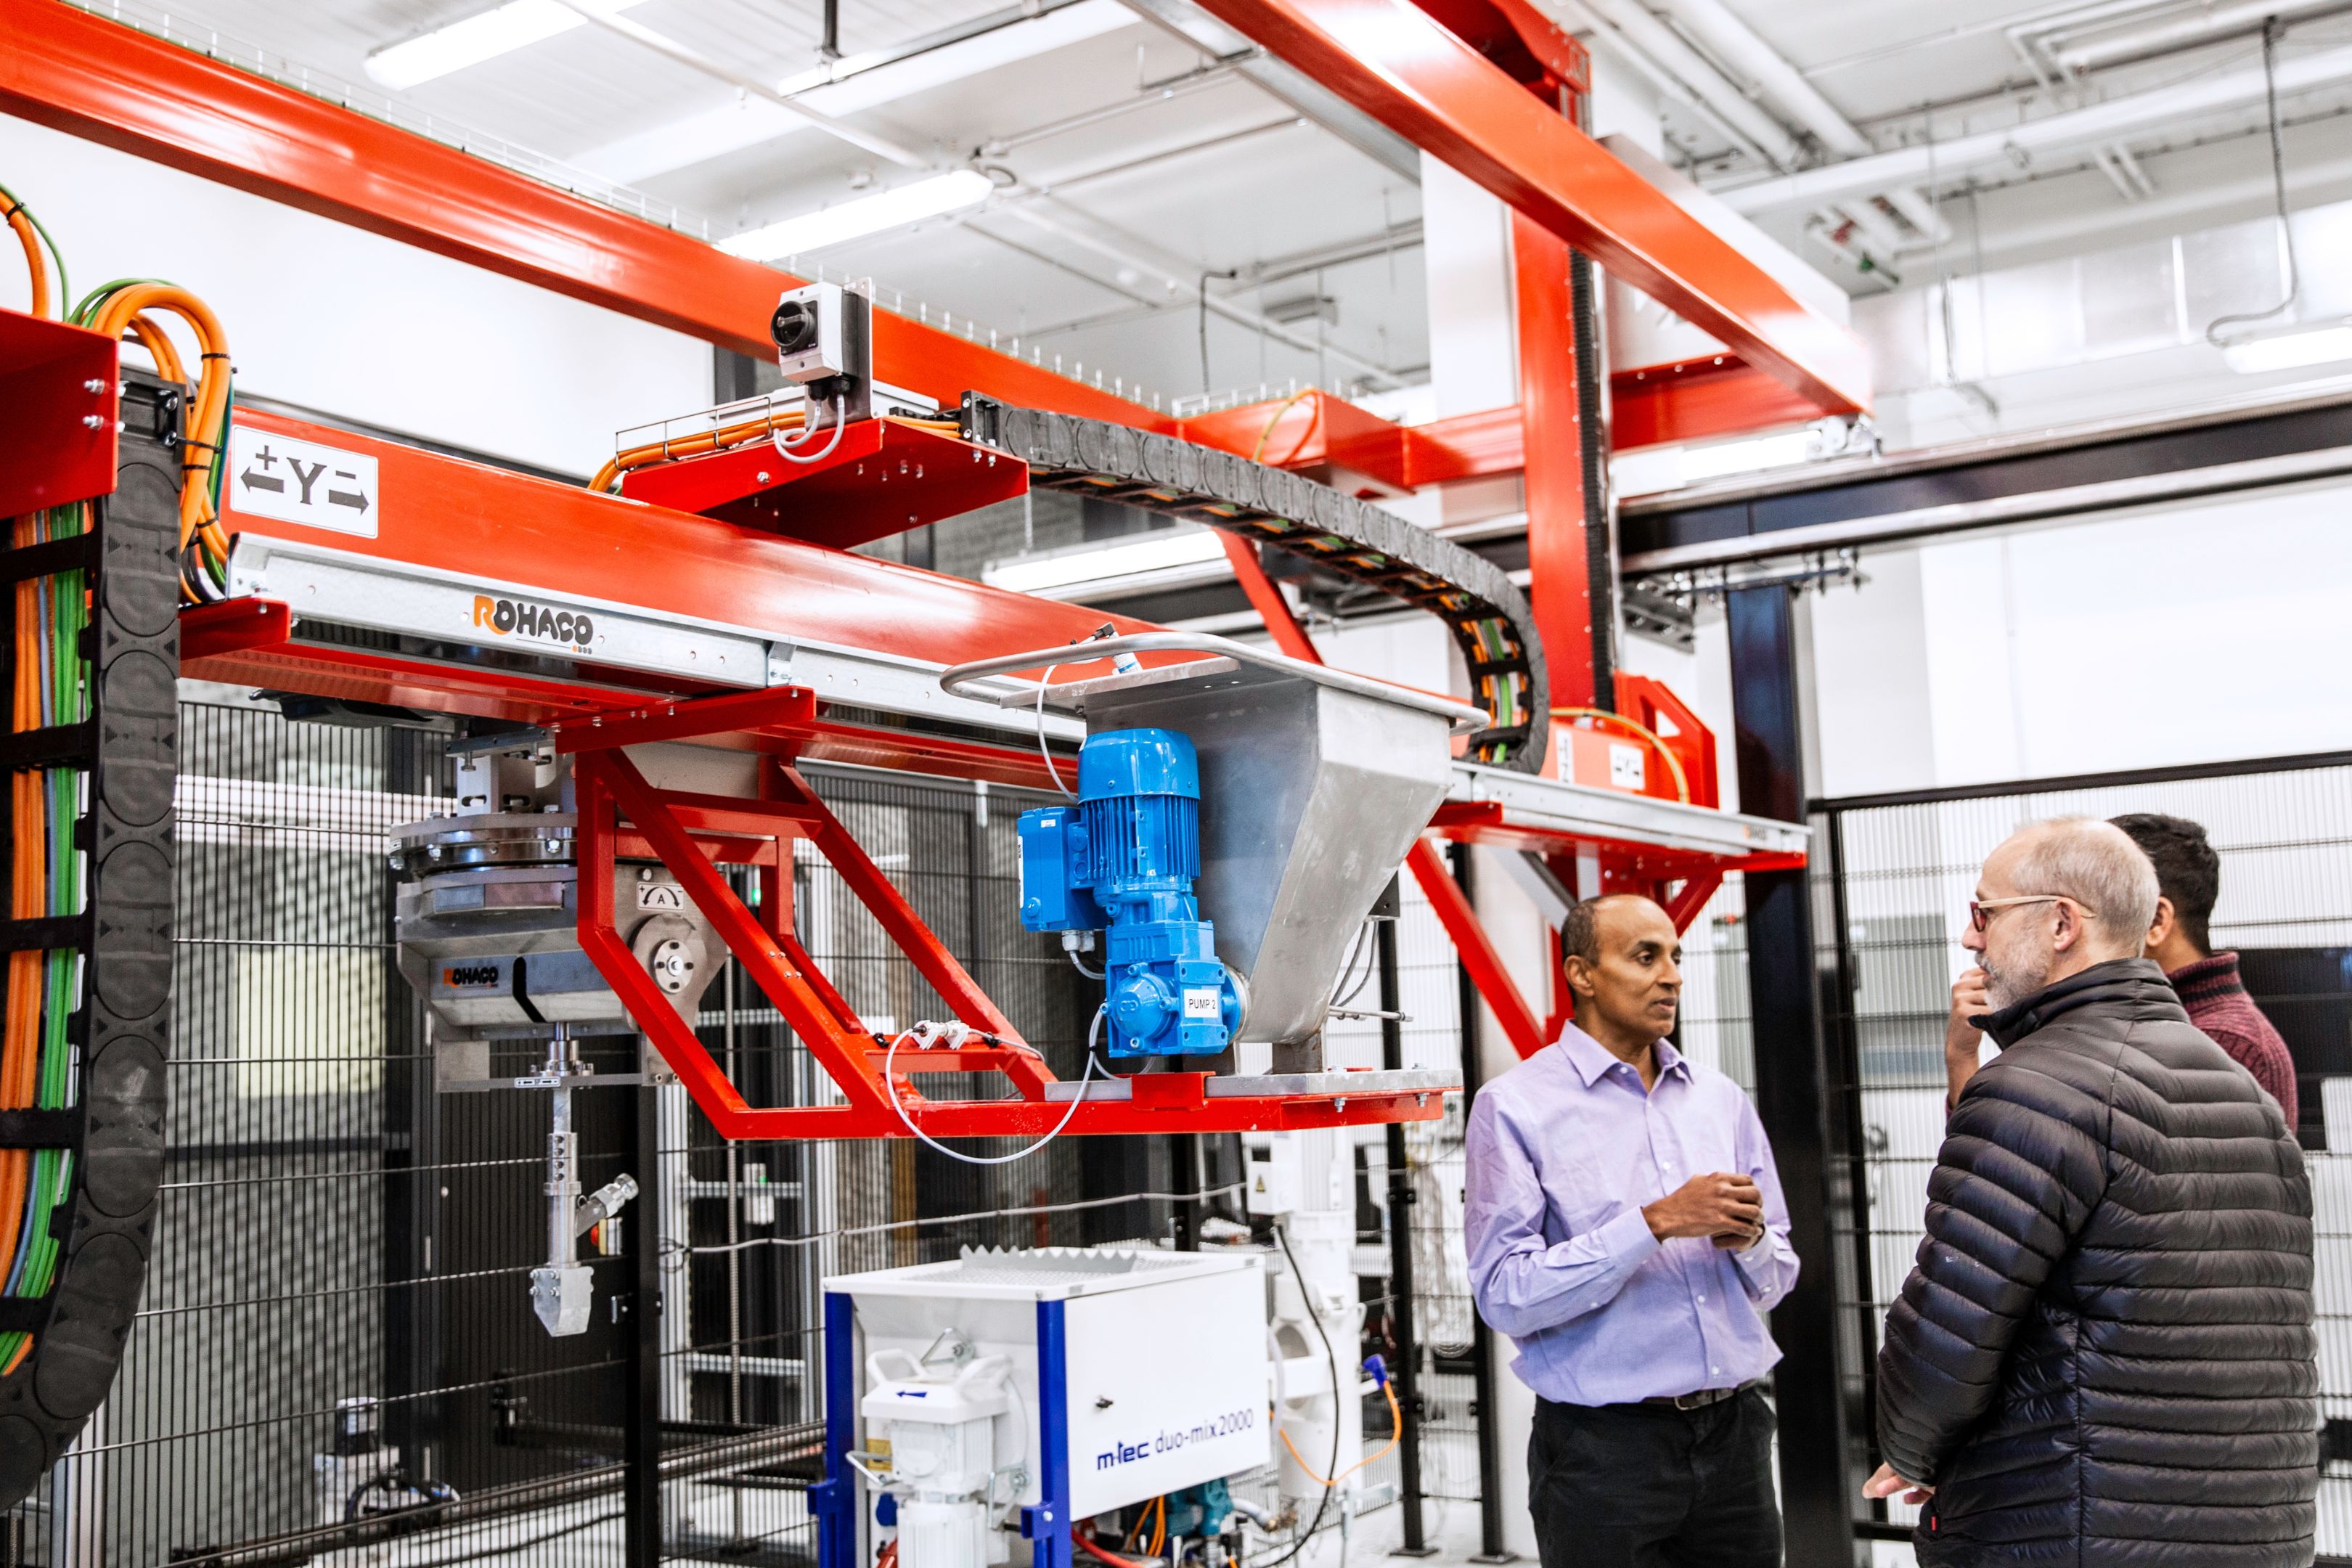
(1982, 911)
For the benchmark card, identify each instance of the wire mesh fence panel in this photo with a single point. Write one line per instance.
(1908, 870)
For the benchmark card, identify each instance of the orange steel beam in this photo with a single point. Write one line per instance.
(1698, 400)
(1397, 65)
(81, 74)
(1559, 580)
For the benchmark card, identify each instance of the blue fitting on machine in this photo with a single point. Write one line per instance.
(1123, 861)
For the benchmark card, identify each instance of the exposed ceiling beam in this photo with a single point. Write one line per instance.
(1180, 281)
(855, 84)
(662, 44)
(2162, 107)
(78, 73)
(1287, 85)
(1394, 61)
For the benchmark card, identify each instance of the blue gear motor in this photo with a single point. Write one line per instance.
(1122, 861)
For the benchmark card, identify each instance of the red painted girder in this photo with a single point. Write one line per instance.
(1402, 67)
(1467, 446)
(610, 789)
(1485, 966)
(472, 521)
(1698, 400)
(1559, 588)
(78, 73)
(249, 642)
(886, 476)
(51, 455)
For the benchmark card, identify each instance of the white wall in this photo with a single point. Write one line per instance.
(2200, 632)
(333, 318)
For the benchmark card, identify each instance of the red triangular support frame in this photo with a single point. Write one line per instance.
(622, 815)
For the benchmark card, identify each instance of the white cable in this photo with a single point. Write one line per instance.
(1079, 1098)
(1051, 771)
(790, 453)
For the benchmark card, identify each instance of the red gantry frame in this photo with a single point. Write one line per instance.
(467, 522)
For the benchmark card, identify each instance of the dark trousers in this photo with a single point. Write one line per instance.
(1647, 1485)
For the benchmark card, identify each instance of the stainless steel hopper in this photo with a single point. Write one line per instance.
(1314, 784)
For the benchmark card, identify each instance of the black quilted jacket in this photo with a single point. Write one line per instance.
(2106, 1354)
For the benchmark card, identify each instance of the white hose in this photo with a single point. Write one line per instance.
(790, 453)
(1079, 1098)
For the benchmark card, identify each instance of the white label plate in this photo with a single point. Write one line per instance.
(301, 482)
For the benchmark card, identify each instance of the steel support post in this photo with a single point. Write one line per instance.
(1406, 1372)
(1568, 596)
(1770, 686)
(1184, 1176)
(641, 1411)
(1481, 1337)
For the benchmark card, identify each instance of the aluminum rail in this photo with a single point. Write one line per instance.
(1463, 717)
(1487, 616)
(1582, 811)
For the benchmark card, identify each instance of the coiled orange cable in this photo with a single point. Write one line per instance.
(126, 310)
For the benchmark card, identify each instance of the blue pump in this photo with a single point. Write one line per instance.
(1123, 861)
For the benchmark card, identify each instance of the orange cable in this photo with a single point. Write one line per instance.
(1396, 1428)
(1257, 452)
(695, 446)
(35, 262)
(121, 309)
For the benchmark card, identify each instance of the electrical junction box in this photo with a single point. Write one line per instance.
(1603, 759)
(1131, 1373)
(1273, 1187)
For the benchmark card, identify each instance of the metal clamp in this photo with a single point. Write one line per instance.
(1463, 717)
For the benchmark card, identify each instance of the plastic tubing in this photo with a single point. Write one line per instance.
(1076, 1100)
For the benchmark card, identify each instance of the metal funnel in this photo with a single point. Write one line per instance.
(1314, 784)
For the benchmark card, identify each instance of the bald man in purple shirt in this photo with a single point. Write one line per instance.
(1626, 1230)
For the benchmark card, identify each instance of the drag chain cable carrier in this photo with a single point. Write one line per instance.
(92, 601)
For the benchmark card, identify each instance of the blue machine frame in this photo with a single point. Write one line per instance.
(832, 1501)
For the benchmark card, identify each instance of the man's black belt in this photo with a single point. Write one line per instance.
(1703, 1398)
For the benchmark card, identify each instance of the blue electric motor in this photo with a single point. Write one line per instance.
(1122, 861)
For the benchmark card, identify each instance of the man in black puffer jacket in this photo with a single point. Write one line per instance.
(2106, 1355)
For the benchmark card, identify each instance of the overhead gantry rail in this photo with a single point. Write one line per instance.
(1486, 614)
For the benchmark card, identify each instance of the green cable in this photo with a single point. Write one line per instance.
(65, 288)
(87, 311)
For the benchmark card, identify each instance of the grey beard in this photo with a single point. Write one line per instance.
(2005, 987)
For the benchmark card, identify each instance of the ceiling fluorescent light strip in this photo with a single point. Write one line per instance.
(484, 35)
(877, 214)
(2290, 351)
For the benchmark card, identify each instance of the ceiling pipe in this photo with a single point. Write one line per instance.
(1713, 25)
(1131, 251)
(1665, 47)
(1607, 39)
(694, 60)
(2203, 25)
(2165, 107)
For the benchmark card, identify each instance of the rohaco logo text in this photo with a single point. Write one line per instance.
(519, 618)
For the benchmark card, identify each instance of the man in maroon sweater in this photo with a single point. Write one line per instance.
(2188, 880)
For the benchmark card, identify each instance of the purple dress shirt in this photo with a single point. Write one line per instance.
(1562, 1152)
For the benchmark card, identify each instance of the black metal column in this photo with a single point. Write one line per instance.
(1406, 1372)
(641, 1410)
(1819, 1486)
(1482, 1339)
(1184, 1176)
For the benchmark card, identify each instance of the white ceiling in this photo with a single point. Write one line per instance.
(1138, 168)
